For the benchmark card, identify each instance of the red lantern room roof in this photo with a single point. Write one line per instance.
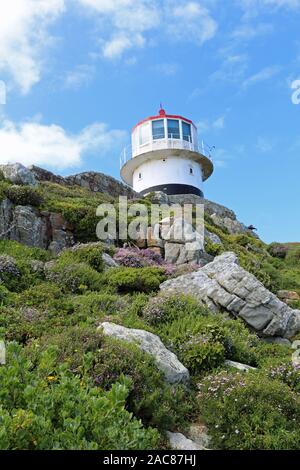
(162, 114)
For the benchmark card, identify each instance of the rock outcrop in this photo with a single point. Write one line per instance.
(223, 285)
(221, 215)
(166, 361)
(18, 174)
(31, 227)
(101, 183)
(94, 181)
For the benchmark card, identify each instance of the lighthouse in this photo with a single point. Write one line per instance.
(165, 155)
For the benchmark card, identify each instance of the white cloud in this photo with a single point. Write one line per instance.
(207, 125)
(232, 69)
(248, 31)
(192, 22)
(254, 7)
(23, 37)
(52, 146)
(82, 75)
(265, 74)
(117, 45)
(124, 24)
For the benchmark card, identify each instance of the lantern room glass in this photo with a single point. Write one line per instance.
(158, 129)
(186, 131)
(173, 129)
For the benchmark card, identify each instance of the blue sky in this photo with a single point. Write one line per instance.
(80, 73)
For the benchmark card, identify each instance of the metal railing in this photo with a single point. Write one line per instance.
(159, 143)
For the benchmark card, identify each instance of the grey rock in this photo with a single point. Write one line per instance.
(41, 174)
(18, 174)
(224, 285)
(239, 366)
(166, 361)
(28, 227)
(6, 216)
(99, 182)
(214, 238)
(109, 261)
(179, 442)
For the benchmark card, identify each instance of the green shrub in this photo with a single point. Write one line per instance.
(151, 398)
(4, 185)
(90, 254)
(167, 308)
(135, 279)
(71, 346)
(23, 253)
(24, 195)
(5, 296)
(97, 305)
(213, 249)
(74, 277)
(250, 412)
(201, 339)
(293, 257)
(50, 408)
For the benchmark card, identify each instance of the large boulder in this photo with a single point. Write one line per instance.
(29, 227)
(223, 285)
(166, 361)
(18, 174)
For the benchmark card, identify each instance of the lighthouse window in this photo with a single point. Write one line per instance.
(173, 129)
(191, 171)
(158, 129)
(186, 131)
(144, 134)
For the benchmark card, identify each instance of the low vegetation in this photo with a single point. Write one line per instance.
(66, 386)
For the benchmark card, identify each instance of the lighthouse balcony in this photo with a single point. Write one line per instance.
(172, 142)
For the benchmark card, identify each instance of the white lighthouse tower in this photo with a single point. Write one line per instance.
(165, 156)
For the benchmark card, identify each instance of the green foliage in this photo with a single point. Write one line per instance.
(293, 257)
(77, 205)
(213, 249)
(4, 185)
(24, 195)
(251, 412)
(51, 408)
(152, 399)
(74, 277)
(19, 275)
(202, 340)
(135, 279)
(23, 253)
(90, 254)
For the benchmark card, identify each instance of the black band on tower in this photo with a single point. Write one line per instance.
(173, 189)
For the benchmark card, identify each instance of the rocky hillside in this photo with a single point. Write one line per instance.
(185, 343)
